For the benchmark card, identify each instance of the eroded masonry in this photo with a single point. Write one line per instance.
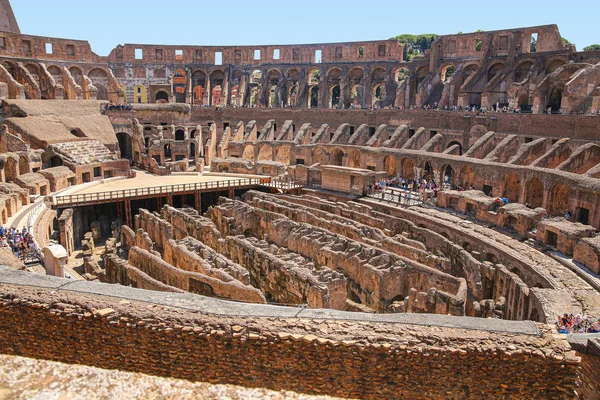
(328, 219)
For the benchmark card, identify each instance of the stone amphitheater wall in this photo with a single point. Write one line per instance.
(348, 358)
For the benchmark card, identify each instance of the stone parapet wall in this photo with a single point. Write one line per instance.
(347, 358)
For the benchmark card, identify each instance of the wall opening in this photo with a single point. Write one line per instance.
(276, 54)
(218, 58)
(49, 48)
(318, 55)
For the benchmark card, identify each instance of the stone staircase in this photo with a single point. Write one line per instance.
(84, 152)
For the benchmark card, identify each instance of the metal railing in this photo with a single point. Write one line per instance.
(285, 184)
(101, 197)
(396, 196)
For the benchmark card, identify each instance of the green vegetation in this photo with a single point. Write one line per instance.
(592, 47)
(566, 41)
(415, 45)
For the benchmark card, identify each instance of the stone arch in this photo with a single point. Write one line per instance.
(265, 153)
(407, 168)
(378, 93)
(11, 68)
(192, 152)
(455, 143)
(55, 161)
(23, 165)
(167, 151)
(217, 78)
(494, 70)
(198, 86)
(512, 187)
(555, 98)
(354, 159)
(355, 80)
(421, 73)
(161, 97)
(334, 95)
(427, 169)
(313, 96)
(248, 152)
(11, 169)
(125, 145)
(467, 176)
(179, 134)
(99, 78)
(558, 199)
(522, 70)
(446, 72)
(448, 174)
(337, 157)
(34, 71)
(390, 165)
(401, 74)
(77, 74)
(534, 192)
(378, 75)
(56, 73)
(283, 154)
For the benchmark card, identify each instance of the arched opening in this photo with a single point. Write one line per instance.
(447, 72)
(535, 193)
(523, 102)
(495, 70)
(427, 170)
(467, 177)
(455, 143)
(354, 159)
(11, 170)
(355, 77)
(390, 165)
(448, 175)
(512, 188)
(420, 74)
(408, 169)
(99, 78)
(179, 134)
(555, 99)
(167, 149)
(402, 74)
(55, 161)
(313, 97)
(192, 134)
(217, 78)
(192, 153)
(558, 200)
(522, 71)
(337, 157)
(102, 92)
(179, 85)
(162, 97)
(23, 166)
(265, 153)
(335, 96)
(125, 145)
(198, 85)
(377, 93)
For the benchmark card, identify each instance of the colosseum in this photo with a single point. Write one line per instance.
(300, 221)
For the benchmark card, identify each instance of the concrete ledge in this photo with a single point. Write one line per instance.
(207, 305)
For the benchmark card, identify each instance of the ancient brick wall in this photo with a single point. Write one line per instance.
(342, 358)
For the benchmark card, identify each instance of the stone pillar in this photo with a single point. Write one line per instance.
(198, 201)
(65, 224)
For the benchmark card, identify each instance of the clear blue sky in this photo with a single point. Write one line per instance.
(107, 23)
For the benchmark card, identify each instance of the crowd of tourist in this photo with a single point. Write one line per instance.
(118, 107)
(578, 323)
(20, 241)
(417, 185)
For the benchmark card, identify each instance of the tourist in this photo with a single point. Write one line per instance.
(20, 242)
(568, 216)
